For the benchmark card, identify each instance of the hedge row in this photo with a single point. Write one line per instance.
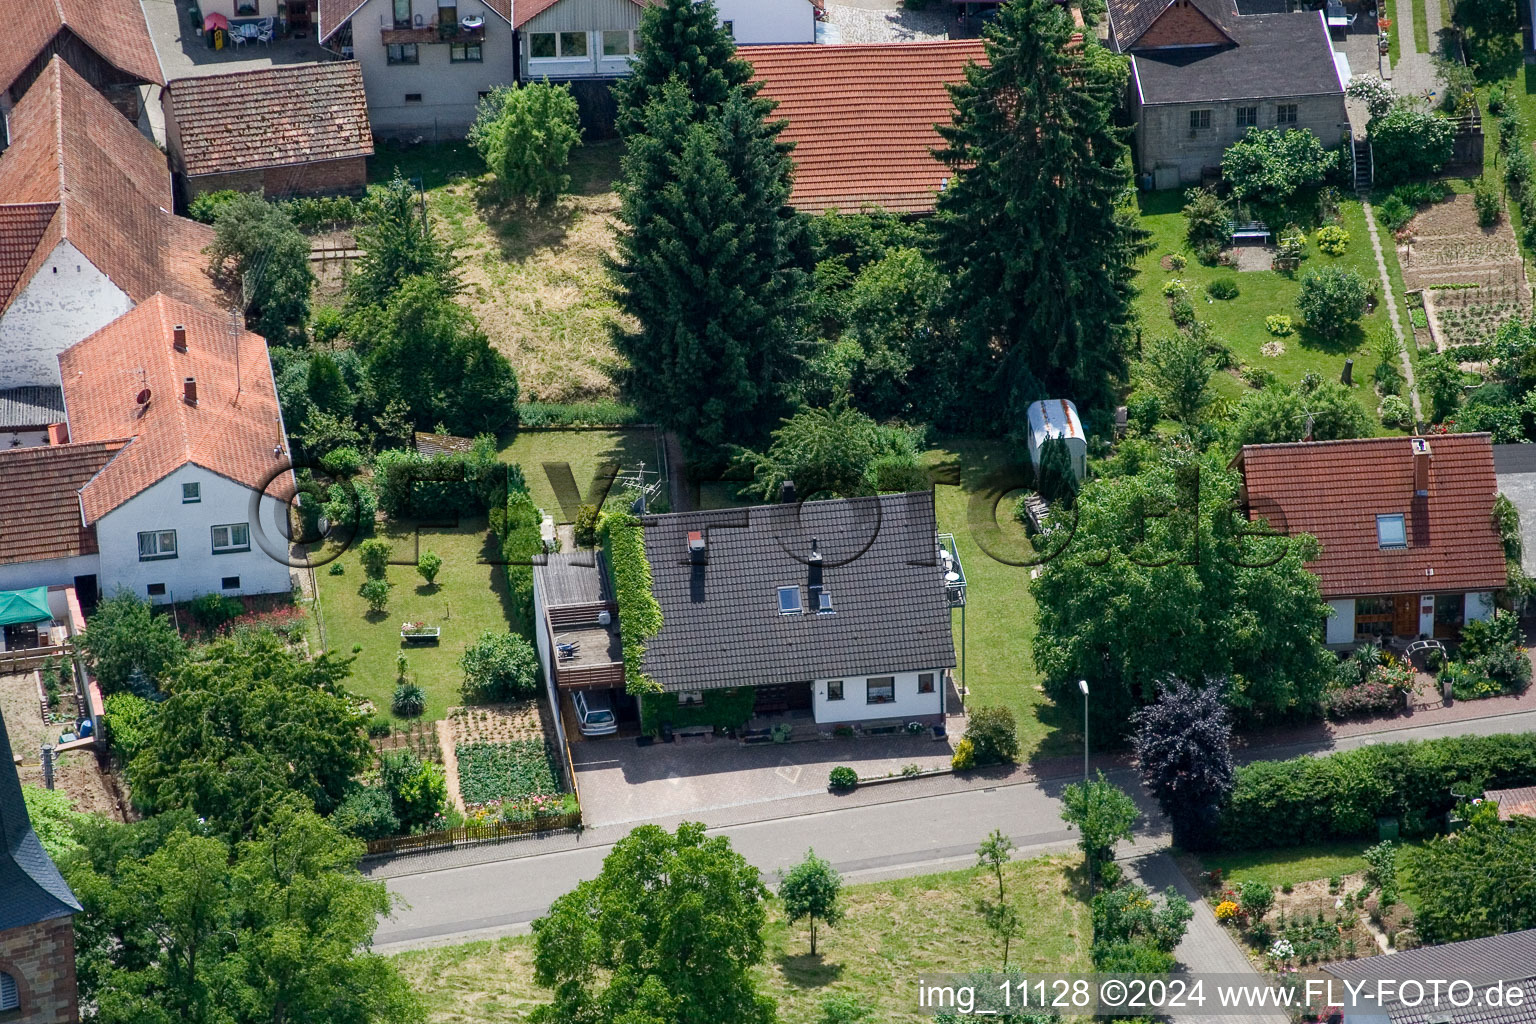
(521, 544)
(445, 485)
(576, 414)
(639, 614)
(1340, 796)
(723, 709)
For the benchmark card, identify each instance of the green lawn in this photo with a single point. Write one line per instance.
(1289, 866)
(584, 451)
(1240, 321)
(469, 598)
(1420, 27)
(1000, 611)
(892, 933)
(1394, 46)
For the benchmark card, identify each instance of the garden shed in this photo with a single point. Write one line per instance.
(1057, 419)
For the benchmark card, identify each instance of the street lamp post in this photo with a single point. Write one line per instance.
(1082, 685)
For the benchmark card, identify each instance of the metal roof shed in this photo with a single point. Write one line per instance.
(1057, 418)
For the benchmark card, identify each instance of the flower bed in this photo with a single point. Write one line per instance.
(498, 772)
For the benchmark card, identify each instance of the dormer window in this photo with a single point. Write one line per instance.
(789, 601)
(823, 602)
(1391, 531)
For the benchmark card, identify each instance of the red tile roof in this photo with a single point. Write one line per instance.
(115, 29)
(110, 190)
(304, 113)
(862, 118)
(40, 503)
(228, 432)
(1334, 490)
(336, 13)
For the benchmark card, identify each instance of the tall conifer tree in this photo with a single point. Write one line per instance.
(1031, 225)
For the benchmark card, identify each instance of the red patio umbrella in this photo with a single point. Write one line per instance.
(215, 20)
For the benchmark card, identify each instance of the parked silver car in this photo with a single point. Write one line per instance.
(594, 712)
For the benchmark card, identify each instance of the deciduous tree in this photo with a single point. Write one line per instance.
(263, 258)
(1183, 744)
(1268, 166)
(1031, 227)
(810, 890)
(525, 134)
(1103, 814)
(669, 931)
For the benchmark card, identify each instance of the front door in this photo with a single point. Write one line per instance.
(1405, 615)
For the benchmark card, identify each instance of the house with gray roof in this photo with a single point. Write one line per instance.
(1504, 960)
(837, 607)
(1205, 71)
(37, 951)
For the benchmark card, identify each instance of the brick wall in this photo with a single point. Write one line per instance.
(324, 178)
(41, 959)
(1182, 24)
(1175, 154)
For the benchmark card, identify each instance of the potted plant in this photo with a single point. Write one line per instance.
(419, 632)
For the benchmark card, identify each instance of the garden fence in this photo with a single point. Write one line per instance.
(467, 834)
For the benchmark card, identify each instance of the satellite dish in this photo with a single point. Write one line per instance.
(143, 398)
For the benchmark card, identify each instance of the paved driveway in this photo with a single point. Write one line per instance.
(623, 782)
(185, 54)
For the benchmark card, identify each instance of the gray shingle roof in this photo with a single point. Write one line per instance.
(31, 406)
(1277, 55)
(1510, 957)
(721, 621)
(572, 578)
(31, 888)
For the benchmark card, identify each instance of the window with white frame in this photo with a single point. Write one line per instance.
(789, 600)
(620, 43)
(191, 494)
(401, 53)
(1391, 531)
(231, 537)
(834, 689)
(880, 690)
(155, 544)
(573, 44)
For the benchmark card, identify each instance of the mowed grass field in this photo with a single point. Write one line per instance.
(893, 932)
(534, 275)
(1240, 322)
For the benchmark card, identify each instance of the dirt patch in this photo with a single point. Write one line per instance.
(77, 773)
(1253, 257)
(421, 738)
(500, 723)
(1444, 244)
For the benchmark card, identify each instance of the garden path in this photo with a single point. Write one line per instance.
(1414, 74)
(1391, 301)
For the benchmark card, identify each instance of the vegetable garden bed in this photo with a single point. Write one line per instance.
(491, 772)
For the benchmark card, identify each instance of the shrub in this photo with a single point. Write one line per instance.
(576, 414)
(1517, 171)
(1182, 311)
(1206, 217)
(353, 503)
(128, 718)
(367, 812)
(1222, 288)
(1394, 213)
(205, 208)
(1376, 94)
(843, 777)
(344, 461)
(1278, 324)
(965, 756)
(993, 735)
(374, 555)
(525, 135)
(417, 789)
(499, 666)
(1410, 143)
(1485, 196)
(337, 568)
(1331, 300)
(1268, 166)
(1332, 240)
(429, 565)
(1395, 411)
(1362, 700)
(409, 700)
(1173, 288)
(1143, 409)
(214, 610)
(1256, 898)
(586, 525)
(376, 593)
(1177, 262)
(1340, 795)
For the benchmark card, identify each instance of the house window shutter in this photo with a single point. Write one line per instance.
(10, 998)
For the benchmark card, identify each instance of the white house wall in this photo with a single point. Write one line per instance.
(855, 707)
(195, 570)
(49, 572)
(769, 21)
(449, 92)
(67, 300)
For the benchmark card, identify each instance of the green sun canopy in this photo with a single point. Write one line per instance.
(24, 606)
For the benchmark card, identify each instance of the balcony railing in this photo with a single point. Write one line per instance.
(432, 34)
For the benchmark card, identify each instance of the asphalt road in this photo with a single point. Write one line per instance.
(446, 901)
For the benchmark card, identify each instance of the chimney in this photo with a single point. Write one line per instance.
(189, 390)
(1421, 457)
(787, 492)
(179, 338)
(815, 555)
(58, 433)
(698, 549)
